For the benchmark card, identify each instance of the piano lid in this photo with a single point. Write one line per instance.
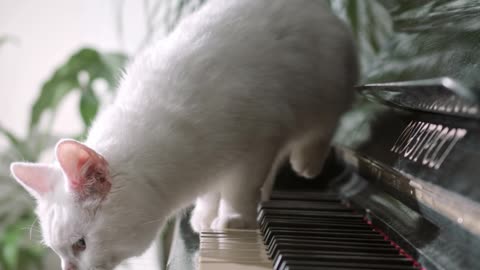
(441, 95)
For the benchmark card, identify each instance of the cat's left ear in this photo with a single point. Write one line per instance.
(37, 179)
(86, 171)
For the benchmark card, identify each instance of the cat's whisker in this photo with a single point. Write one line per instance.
(31, 228)
(152, 221)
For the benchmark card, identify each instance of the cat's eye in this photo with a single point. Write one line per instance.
(80, 245)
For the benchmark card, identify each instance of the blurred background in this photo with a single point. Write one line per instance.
(59, 64)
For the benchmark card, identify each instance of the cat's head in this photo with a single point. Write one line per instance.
(85, 217)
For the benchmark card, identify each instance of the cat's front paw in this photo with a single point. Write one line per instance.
(201, 220)
(307, 164)
(234, 221)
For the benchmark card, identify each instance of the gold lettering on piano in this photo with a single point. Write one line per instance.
(427, 143)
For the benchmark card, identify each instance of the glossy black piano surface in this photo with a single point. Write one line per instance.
(407, 157)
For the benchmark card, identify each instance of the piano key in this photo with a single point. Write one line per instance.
(303, 216)
(327, 216)
(310, 196)
(319, 226)
(332, 240)
(316, 223)
(321, 240)
(302, 267)
(359, 233)
(276, 248)
(305, 232)
(309, 256)
(233, 266)
(321, 218)
(304, 205)
(296, 264)
(298, 232)
(346, 253)
(233, 249)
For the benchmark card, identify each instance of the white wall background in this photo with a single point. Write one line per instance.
(46, 32)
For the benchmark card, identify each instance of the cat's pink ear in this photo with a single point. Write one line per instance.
(86, 171)
(37, 179)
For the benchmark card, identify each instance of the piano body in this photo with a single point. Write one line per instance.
(401, 187)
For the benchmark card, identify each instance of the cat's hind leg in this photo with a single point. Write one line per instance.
(205, 211)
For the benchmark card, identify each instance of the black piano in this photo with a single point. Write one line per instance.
(401, 187)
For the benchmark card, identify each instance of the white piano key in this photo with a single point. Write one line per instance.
(233, 249)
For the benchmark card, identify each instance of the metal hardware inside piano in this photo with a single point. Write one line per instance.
(402, 189)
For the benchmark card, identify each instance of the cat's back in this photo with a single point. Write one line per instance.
(245, 50)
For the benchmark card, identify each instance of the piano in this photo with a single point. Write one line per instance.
(401, 186)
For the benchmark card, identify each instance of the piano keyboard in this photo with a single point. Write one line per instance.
(233, 249)
(303, 231)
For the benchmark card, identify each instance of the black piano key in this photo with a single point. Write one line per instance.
(271, 231)
(330, 240)
(331, 230)
(337, 218)
(333, 240)
(312, 225)
(275, 249)
(276, 253)
(310, 196)
(313, 232)
(305, 205)
(325, 218)
(318, 222)
(350, 257)
(322, 222)
(345, 253)
(296, 264)
(328, 246)
(319, 226)
(315, 267)
(311, 213)
(305, 230)
(308, 213)
(338, 261)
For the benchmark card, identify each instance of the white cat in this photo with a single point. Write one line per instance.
(209, 112)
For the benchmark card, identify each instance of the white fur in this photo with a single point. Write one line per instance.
(209, 112)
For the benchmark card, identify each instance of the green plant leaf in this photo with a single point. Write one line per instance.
(20, 146)
(17, 252)
(10, 136)
(371, 25)
(66, 78)
(352, 9)
(88, 106)
(10, 250)
(114, 62)
(7, 39)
